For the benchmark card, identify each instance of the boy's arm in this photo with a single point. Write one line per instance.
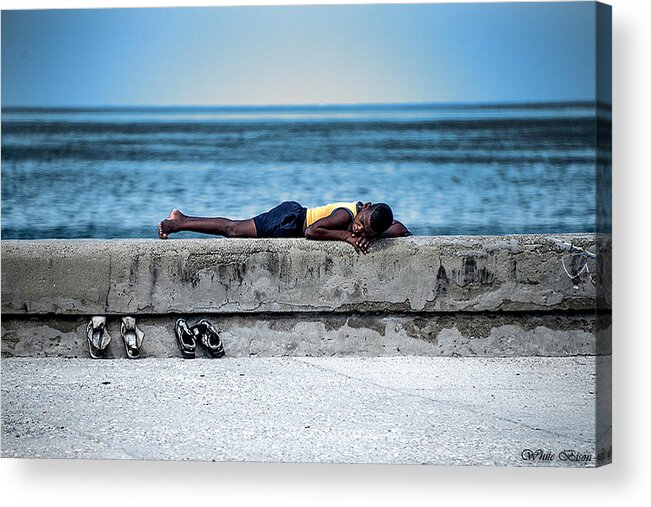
(397, 230)
(334, 227)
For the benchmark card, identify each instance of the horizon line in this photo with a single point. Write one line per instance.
(450, 104)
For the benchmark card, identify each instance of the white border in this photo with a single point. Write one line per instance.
(68, 483)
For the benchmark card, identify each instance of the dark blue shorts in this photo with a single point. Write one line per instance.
(284, 221)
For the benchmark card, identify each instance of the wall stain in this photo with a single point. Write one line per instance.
(442, 283)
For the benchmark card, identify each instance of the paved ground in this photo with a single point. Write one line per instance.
(355, 410)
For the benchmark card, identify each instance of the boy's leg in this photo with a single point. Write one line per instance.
(219, 226)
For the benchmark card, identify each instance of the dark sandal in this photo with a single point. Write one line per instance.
(209, 338)
(185, 339)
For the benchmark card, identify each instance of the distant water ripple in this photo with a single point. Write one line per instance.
(445, 169)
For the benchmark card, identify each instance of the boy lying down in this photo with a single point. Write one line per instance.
(356, 223)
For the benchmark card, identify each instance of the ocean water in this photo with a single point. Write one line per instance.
(444, 169)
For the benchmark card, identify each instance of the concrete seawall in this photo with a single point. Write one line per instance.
(435, 296)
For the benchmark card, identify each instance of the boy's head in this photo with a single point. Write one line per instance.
(372, 220)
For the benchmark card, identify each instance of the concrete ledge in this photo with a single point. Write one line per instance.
(417, 274)
(430, 296)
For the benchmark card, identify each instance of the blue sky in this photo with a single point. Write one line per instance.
(299, 54)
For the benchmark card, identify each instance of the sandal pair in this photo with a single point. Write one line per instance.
(203, 332)
(98, 337)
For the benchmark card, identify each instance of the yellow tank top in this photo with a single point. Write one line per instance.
(314, 214)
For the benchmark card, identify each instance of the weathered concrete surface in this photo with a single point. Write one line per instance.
(432, 296)
(265, 335)
(416, 274)
(353, 410)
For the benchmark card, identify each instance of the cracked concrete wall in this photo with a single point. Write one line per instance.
(490, 296)
(416, 274)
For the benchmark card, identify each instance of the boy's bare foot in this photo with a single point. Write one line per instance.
(171, 224)
(176, 215)
(164, 229)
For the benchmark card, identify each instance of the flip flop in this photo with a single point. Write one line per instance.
(185, 339)
(132, 336)
(97, 336)
(209, 338)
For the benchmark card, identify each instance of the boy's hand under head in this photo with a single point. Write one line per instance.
(361, 243)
